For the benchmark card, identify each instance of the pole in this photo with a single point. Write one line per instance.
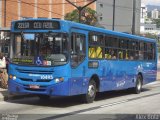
(5, 13)
(79, 8)
(114, 6)
(134, 17)
(80, 13)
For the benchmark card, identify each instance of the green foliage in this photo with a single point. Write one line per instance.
(157, 22)
(149, 14)
(88, 16)
(149, 35)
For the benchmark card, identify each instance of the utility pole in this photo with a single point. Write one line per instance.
(134, 17)
(80, 8)
(5, 12)
(114, 6)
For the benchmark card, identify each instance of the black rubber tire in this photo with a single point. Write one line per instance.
(43, 97)
(88, 98)
(138, 87)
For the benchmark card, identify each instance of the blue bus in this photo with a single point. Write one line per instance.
(52, 57)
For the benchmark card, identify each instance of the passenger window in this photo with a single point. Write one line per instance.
(110, 53)
(95, 52)
(123, 44)
(96, 39)
(96, 44)
(77, 49)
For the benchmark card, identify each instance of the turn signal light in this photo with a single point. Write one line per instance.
(12, 77)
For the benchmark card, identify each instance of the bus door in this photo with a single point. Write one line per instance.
(78, 60)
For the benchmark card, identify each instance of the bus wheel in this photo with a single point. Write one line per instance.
(138, 86)
(43, 97)
(91, 92)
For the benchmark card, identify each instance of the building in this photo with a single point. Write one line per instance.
(4, 40)
(143, 13)
(123, 18)
(155, 14)
(19, 9)
(146, 23)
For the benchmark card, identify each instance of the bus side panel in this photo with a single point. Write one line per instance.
(149, 72)
(106, 77)
(118, 75)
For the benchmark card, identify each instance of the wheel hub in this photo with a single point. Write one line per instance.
(91, 90)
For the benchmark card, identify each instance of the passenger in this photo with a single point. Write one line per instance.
(113, 55)
(120, 53)
(3, 72)
(131, 58)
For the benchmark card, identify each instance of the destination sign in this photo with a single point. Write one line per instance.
(37, 25)
(23, 60)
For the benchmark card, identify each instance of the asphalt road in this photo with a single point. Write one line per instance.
(108, 105)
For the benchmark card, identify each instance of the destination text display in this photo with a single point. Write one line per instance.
(37, 25)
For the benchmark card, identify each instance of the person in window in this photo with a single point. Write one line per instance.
(113, 54)
(141, 55)
(108, 54)
(120, 53)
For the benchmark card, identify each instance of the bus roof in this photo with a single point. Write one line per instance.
(94, 29)
(110, 32)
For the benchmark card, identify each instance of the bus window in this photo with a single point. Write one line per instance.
(123, 44)
(111, 42)
(92, 52)
(96, 39)
(110, 53)
(125, 55)
(114, 54)
(150, 51)
(95, 52)
(142, 46)
(120, 54)
(78, 49)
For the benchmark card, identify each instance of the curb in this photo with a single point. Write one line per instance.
(7, 96)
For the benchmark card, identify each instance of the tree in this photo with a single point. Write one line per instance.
(157, 22)
(149, 35)
(88, 16)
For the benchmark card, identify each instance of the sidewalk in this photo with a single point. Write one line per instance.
(4, 95)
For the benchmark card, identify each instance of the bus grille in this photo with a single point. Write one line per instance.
(35, 71)
(40, 90)
(38, 80)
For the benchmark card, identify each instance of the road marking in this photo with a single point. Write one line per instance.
(115, 103)
(97, 107)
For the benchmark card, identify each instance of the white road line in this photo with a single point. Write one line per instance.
(115, 103)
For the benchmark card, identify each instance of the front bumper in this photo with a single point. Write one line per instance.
(58, 89)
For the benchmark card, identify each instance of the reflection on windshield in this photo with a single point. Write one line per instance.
(49, 48)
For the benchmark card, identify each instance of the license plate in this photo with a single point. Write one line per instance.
(34, 86)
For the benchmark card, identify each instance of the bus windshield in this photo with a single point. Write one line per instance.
(44, 49)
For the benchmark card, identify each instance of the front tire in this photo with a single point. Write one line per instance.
(138, 88)
(91, 92)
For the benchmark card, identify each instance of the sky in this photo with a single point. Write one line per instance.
(151, 2)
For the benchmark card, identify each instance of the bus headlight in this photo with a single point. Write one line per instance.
(57, 80)
(12, 77)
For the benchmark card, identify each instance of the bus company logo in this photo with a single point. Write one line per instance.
(120, 83)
